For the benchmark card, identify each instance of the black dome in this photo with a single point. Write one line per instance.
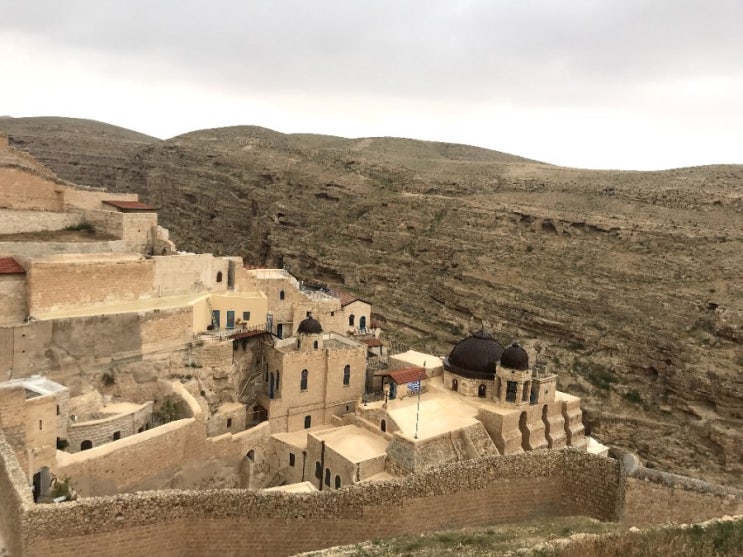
(475, 356)
(310, 326)
(515, 357)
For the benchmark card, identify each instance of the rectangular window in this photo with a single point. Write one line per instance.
(307, 422)
(246, 316)
(291, 459)
(41, 424)
(117, 435)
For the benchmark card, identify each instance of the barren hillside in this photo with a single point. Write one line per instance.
(629, 282)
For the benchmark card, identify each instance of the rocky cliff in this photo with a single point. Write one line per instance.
(626, 283)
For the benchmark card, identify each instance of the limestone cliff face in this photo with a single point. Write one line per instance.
(628, 281)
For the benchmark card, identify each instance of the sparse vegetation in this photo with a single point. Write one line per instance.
(82, 226)
(171, 408)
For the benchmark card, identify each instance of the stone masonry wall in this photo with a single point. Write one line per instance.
(24, 191)
(13, 222)
(238, 522)
(15, 501)
(13, 306)
(655, 497)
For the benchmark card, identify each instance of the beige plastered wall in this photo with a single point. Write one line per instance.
(24, 191)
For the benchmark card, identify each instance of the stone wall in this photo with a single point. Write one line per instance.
(68, 281)
(80, 198)
(656, 497)
(16, 499)
(13, 222)
(23, 191)
(39, 249)
(239, 522)
(102, 431)
(13, 304)
(157, 459)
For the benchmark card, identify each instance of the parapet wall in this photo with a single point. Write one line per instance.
(239, 522)
(14, 222)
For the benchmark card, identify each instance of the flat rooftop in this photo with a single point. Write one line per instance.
(354, 443)
(134, 306)
(298, 439)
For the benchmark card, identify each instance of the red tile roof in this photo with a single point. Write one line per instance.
(371, 342)
(246, 334)
(9, 266)
(130, 205)
(345, 297)
(408, 375)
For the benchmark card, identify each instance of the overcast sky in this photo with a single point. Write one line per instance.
(635, 84)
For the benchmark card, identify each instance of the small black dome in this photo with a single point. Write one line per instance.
(515, 357)
(310, 326)
(475, 356)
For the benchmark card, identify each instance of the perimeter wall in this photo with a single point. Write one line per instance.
(240, 522)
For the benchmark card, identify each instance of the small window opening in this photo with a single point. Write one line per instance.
(454, 385)
(303, 380)
(282, 295)
(219, 276)
(85, 445)
(229, 422)
(292, 459)
(307, 422)
(57, 409)
(383, 425)
(117, 435)
(251, 455)
(351, 319)
(41, 424)
(327, 477)
(318, 470)
(482, 391)
(337, 482)
(347, 375)
(314, 345)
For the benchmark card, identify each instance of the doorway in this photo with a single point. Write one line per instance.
(230, 319)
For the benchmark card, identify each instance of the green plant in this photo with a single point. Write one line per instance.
(171, 409)
(82, 226)
(633, 396)
(63, 488)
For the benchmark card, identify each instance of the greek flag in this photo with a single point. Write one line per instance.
(414, 386)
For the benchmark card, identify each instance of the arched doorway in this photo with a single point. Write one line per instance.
(454, 385)
(482, 391)
(362, 323)
(85, 445)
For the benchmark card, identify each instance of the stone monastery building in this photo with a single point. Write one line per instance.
(128, 365)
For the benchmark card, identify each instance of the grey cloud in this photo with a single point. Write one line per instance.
(528, 50)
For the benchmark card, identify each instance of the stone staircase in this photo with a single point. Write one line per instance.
(478, 442)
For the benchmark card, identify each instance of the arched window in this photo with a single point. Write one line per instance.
(383, 425)
(314, 345)
(219, 276)
(351, 320)
(454, 385)
(482, 390)
(303, 380)
(251, 455)
(318, 470)
(85, 445)
(327, 477)
(337, 482)
(347, 375)
(282, 295)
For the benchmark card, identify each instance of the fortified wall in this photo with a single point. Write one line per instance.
(240, 522)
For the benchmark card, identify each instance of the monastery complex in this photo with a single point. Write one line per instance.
(128, 366)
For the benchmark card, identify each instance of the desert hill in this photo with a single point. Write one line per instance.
(628, 281)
